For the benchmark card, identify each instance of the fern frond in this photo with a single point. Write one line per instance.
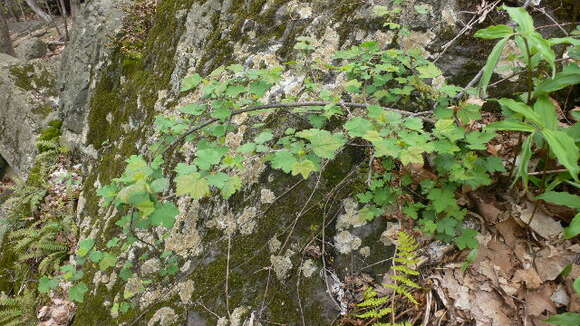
(8, 313)
(39, 242)
(50, 246)
(373, 302)
(405, 270)
(22, 233)
(402, 291)
(406, 281)
(16, 322)
(375, 313)
(395, 324)
(54, 258)
(19, 310)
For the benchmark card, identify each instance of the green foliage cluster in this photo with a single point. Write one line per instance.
(36, 243)
(533, 113)
(378, 308)
(42, 242)
(357, 113)
(18, 310)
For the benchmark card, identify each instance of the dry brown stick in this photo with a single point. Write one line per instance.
(480, 73)
(477, 18)
(228, 276)
(547, 172)
(519, 73)
(543, 11)
(301, 213)
(298, 290)
(554, 25)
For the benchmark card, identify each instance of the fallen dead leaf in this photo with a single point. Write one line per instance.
(529, 276)
(489, 212)
(551, 261)
(560, 297)
(538, 221)
(571, 115)
(510, 231)
(538, 301)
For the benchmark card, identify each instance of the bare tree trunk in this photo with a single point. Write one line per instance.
(75, 7)
(55, 23)
(38, 11)
(5, 42)
(8, 6)
(64, 14)
(21, 10)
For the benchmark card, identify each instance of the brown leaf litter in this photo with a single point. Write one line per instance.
(522, 275)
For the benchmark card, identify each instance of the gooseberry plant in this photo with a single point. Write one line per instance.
(421, 160)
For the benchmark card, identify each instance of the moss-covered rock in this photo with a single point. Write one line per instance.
(27, 105)
(257, 255)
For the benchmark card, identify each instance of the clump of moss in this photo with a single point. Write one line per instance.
(23, 75)
(43, 110)
(51, 132)
(27, 78)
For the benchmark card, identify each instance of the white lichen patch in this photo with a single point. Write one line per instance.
(151, 296)
(417, 40)
(365, 251)
(267, 196)
(223, 321)
(115, 312)
(389, 236)
(281, 266)
(274, 244)
(305, 12)
(223, 221)
(237, 315)
(163, 317)
(150, 266)
(327, 45)
(185, 290)
(247, 220)
(345, 242)
(234, 140)
(184, 238)
(112, 281)
(438, 82)
(308, 268)
(185, 267)
(161, 104)
(134, 286)
(99, 277)
(290, 85)
(449, 16)
(506, 65)
(253, 168)
(384, 39)
(239, 119)
(351, 217)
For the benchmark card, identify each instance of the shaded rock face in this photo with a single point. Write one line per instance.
(276, 265)
(82, 62)
(27, 103)
(32, 48)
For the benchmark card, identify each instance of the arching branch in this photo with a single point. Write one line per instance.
(294, 105)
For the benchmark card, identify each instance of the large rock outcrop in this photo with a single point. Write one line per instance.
(109, 101)
(28, 102)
